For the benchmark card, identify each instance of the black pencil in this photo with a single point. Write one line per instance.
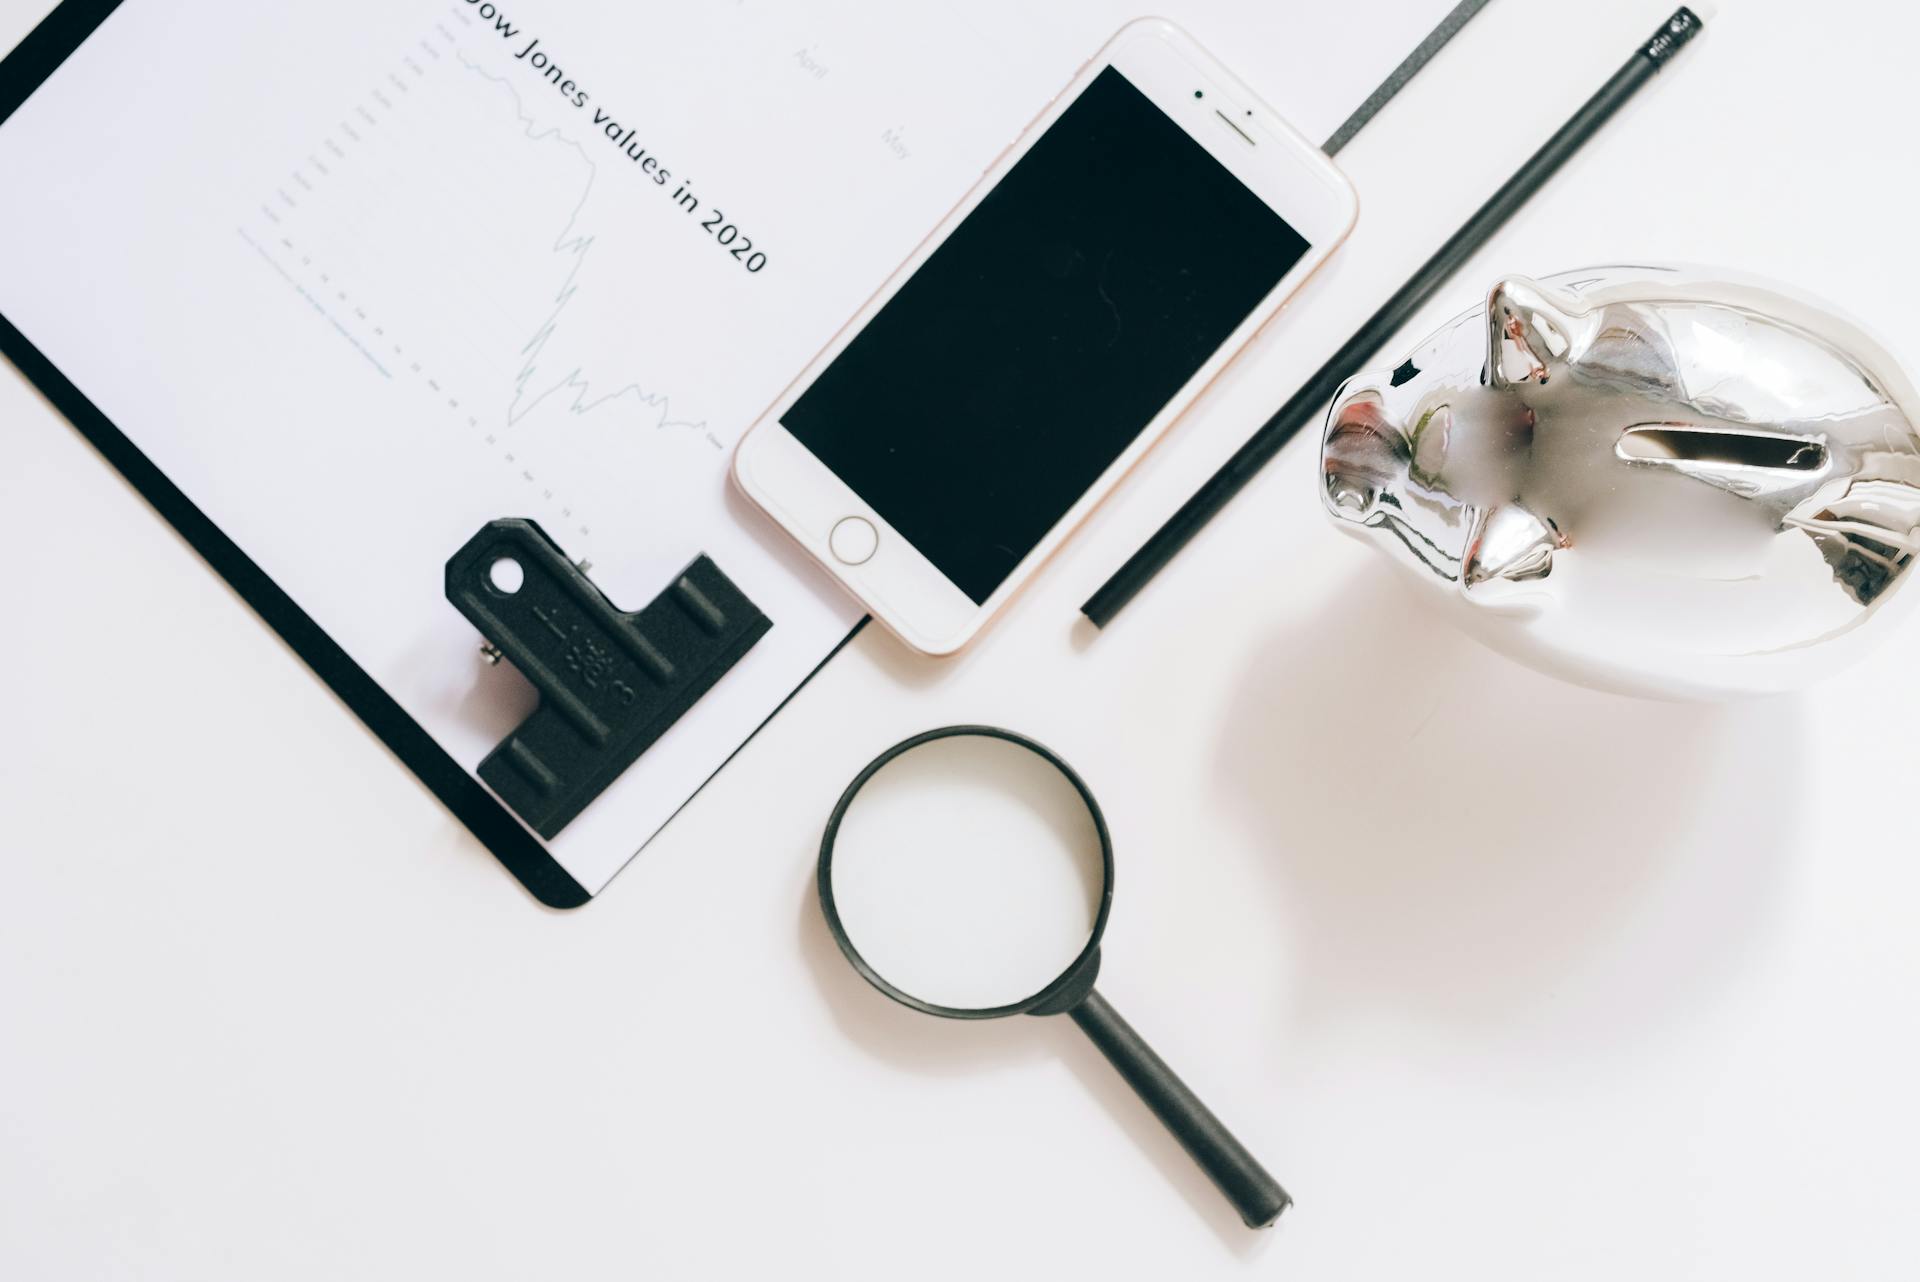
(1154, 554)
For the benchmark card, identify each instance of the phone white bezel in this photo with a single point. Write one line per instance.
(899, 585)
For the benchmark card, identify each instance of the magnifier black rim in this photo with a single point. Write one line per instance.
(825, 875)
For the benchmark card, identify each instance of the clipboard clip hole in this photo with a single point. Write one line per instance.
(506, 575)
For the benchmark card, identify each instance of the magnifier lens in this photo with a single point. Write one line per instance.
(967, 872)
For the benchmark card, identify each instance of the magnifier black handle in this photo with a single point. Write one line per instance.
(1255, 1194)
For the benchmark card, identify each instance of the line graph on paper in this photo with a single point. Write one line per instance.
(467, 249)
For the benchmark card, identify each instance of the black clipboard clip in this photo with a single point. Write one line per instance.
(611, 682)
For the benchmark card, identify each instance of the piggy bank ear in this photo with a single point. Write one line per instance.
(1508, 547)
(1529, 335)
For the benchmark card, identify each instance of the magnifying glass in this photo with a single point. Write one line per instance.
(967, 872)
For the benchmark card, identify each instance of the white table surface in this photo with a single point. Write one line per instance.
(1504, 979)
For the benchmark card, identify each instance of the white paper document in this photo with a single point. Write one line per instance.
(362, 276)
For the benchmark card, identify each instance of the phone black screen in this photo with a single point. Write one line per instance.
(1044, 334)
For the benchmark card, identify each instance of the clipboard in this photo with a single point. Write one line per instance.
(607, 682)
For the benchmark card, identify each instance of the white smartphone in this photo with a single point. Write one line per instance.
(1080, 297)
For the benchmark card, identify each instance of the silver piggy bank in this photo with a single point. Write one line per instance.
(1645, 479)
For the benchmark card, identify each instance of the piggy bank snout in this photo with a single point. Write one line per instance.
(1362, 453)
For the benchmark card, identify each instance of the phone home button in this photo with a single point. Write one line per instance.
(853, 541)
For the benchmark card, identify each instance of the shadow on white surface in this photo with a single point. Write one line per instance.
(908, 668)
(1471, 841)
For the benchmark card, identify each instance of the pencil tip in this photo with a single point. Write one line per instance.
(1674, 33)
